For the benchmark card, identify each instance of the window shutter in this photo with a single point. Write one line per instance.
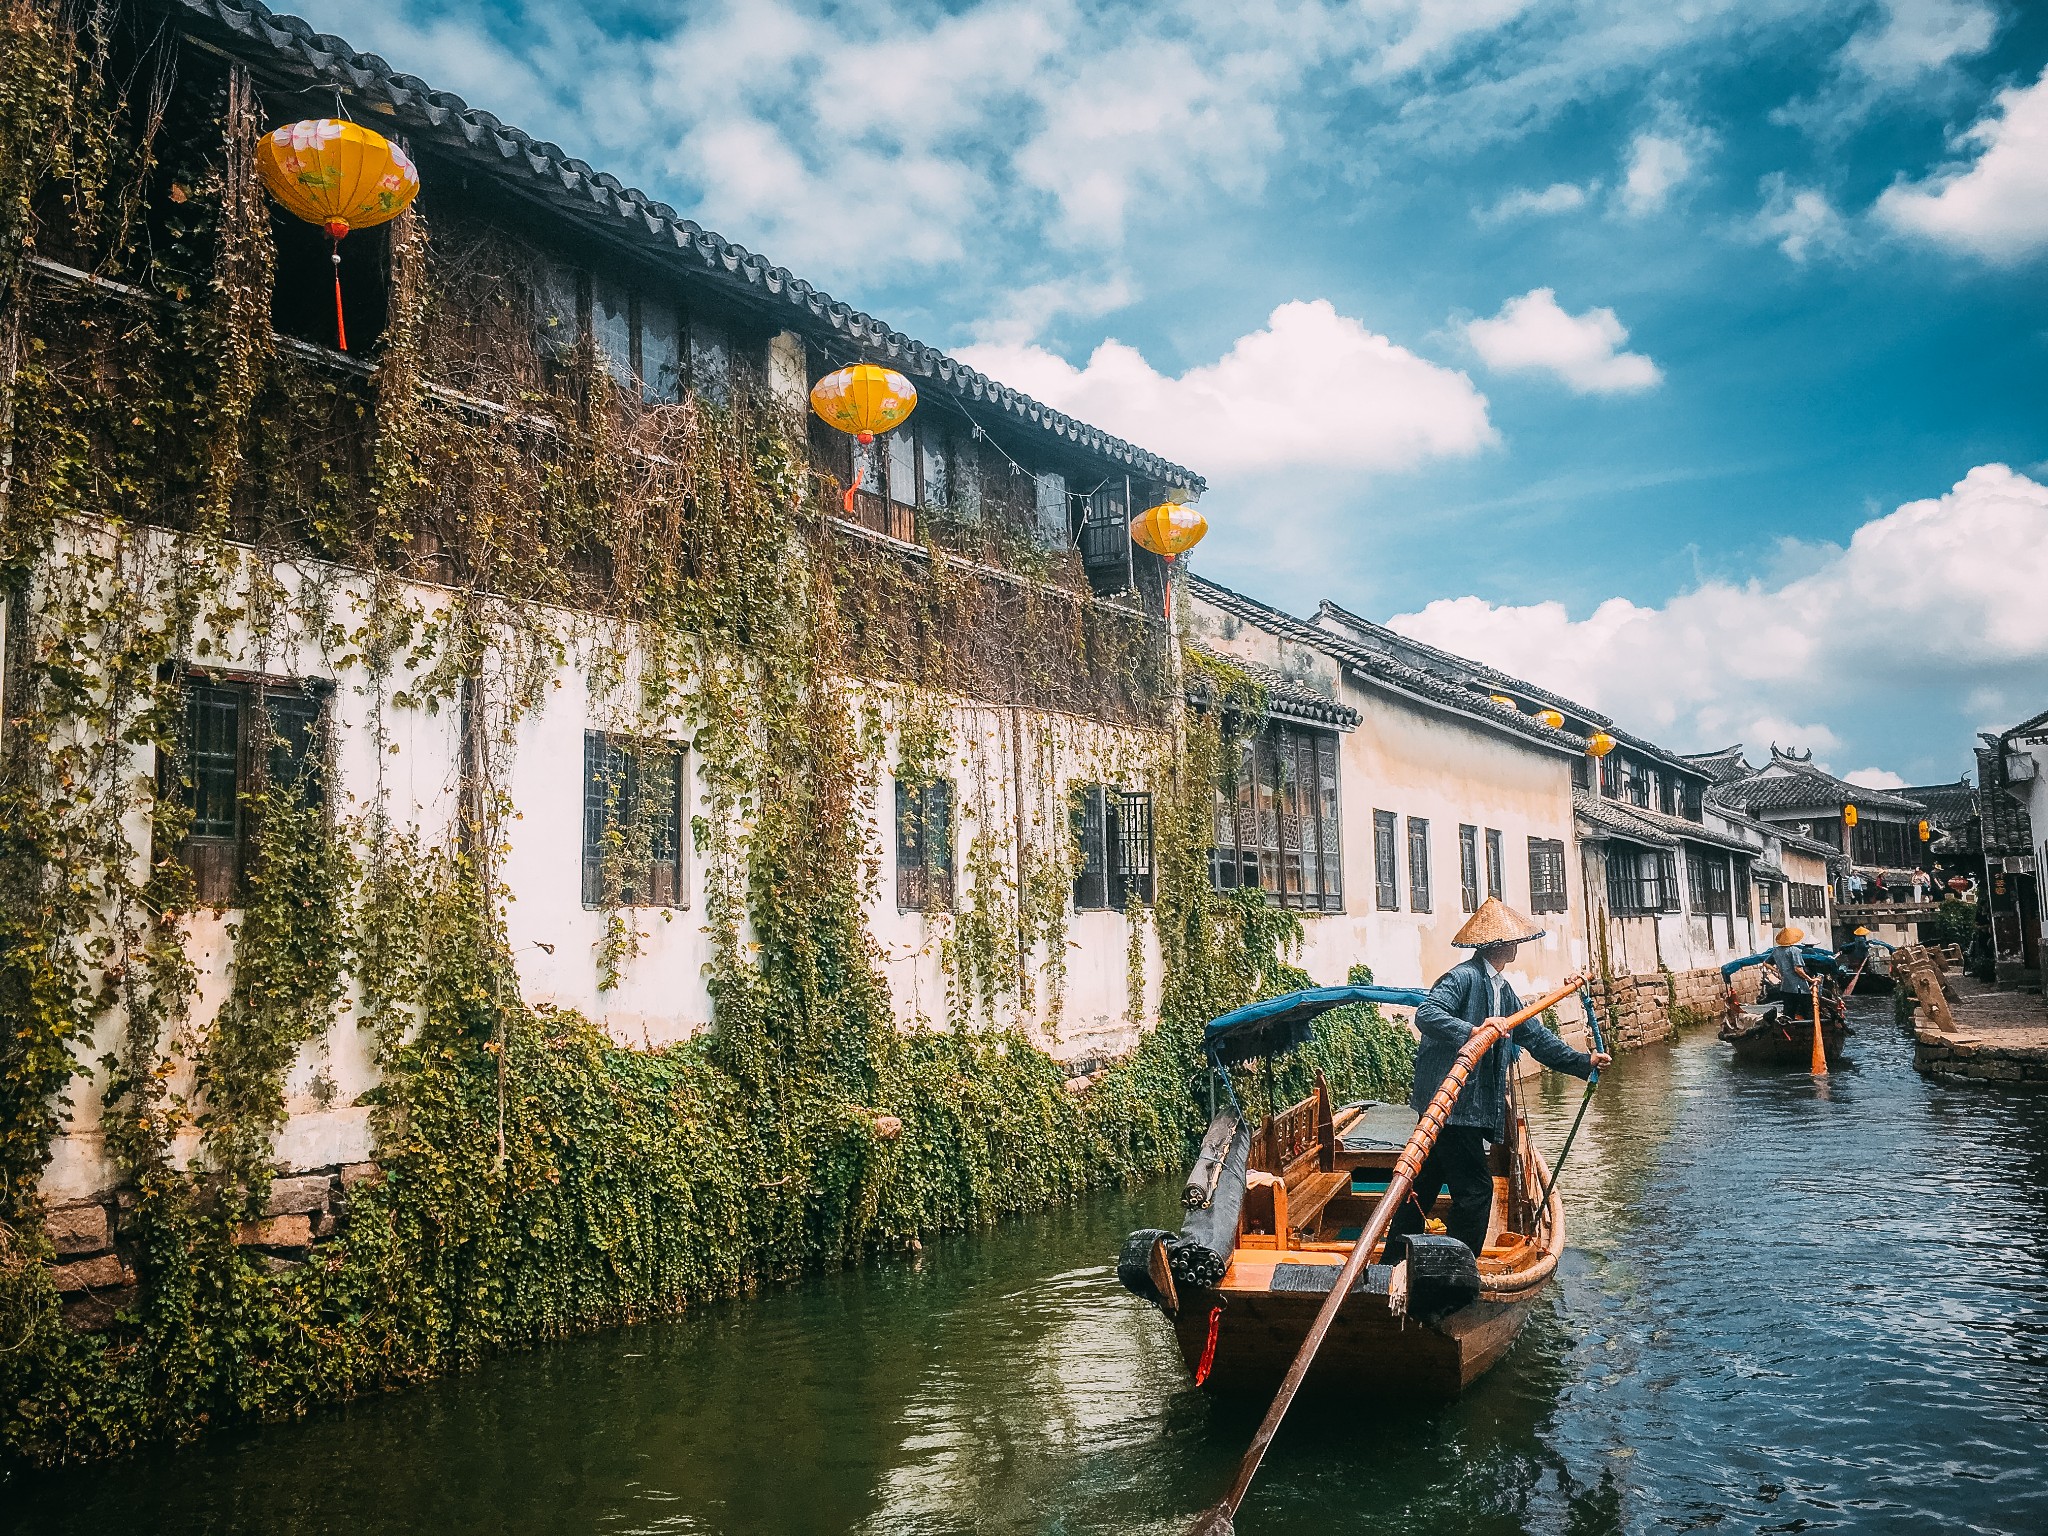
(1468, 868)
(1386, 863)
(1418, 864)
(1091, 885)
(1496, 865)
(1332, 839)
(1133, 867)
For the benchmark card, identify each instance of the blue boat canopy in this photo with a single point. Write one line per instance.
(1280, 1024)
(1820, 959)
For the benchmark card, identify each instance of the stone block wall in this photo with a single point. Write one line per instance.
(94, 1264)
(1637, 1010)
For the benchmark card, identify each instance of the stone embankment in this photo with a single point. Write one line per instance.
(94, 1269)
(1968, 1030)
(1640, 1010)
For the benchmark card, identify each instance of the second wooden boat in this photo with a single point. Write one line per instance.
(1779, 1032)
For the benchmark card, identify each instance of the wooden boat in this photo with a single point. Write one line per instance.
(1779, 1033)
(1274, 1212)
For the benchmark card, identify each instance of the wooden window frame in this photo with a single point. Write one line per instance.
(924, 845)
(1496, 864)
(220, 860)
(614, 772)
(1386, 861)
(1419, 892)
(1548, 889)
(1279, 822)
(1709, 883)
(1468, 867)
(1113, 834)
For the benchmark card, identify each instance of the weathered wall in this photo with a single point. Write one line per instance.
(1076, 1003)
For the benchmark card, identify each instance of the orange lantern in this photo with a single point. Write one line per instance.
(864, 400)
(1503, 700)
(1926, 833)
(1169, 529)
(339, 175)
(1848, 815)
(1599, 744)
(1551, 718)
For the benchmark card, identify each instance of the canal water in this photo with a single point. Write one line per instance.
(1788, 1306)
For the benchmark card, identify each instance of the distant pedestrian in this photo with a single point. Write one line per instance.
(1857, 885)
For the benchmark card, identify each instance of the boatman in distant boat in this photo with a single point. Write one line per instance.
(1466, 997)
(1795, 981)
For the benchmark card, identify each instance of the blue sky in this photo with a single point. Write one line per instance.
(1664, 353)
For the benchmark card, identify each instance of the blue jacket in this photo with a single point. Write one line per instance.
(1459, 1003)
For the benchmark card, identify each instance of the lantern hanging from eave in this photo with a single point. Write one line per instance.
(341, 176)
(1599, 744)
(1504, 701)
(1169, 529)
(863, 400)
(1926, 832)
(1551, 718)
(1848, 815)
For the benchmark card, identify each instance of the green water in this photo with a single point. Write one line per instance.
(1786, 1308)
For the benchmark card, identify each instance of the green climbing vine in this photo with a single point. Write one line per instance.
(443, 542)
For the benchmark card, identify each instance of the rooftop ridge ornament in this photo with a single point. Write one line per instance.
(864, 400)
(341, 176)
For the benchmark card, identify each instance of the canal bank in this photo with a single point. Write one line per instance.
(1788, 1306)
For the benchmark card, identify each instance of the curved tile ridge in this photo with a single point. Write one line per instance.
(584, 187)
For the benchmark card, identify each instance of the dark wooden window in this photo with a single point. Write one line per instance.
(1279, 824)
(1546, 875)
(1386, 862)
(1104, 536)
(1496, 865)
(1418, 864)
(633, 822)
(1807, 900)
(1883, 844)
(1113, 835)
(240, 739)
(1641, 881)
(1708, 883)
(1767, 901)
(1689, 805)
(1468, 868)
(924, 846)
(1622, 778)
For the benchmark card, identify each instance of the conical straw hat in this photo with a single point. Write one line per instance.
(1496, 923)
(1791, 935)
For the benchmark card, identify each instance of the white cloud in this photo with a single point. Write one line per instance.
(1918, 37)
(1996, 205)
(1658, 164)
(1313, 390)
(1875, 778)
(1534, 334)
(1929, 606)
(1558, 197)
(1800, 221)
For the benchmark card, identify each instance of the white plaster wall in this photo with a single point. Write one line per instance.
(410, 758)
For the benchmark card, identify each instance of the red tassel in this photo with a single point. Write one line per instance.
(1209, 1349)
(859, 471)
(340, 325)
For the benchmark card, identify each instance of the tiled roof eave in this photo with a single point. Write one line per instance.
(605, 206)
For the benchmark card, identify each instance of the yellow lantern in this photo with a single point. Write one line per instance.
(1848, 815)
(1169, 529)
(863, 400)
(339, 175)
(1503, 700)
(1599, 744)
(1926, 833)
(1551, 718)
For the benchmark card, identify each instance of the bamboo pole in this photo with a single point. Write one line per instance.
(1217, 1519)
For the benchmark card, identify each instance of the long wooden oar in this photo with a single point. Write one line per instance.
(1217, 1520)
(1820, 1054)
(1850, 990)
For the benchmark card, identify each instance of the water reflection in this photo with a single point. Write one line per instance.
(1787, 1306)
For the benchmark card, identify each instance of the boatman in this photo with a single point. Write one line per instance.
(1466, 997)
(1789, 961)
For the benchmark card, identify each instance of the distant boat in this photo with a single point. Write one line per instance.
(1779, 1032)
(1274, 1209)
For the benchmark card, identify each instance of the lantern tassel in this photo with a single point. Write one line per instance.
(858, 471)
(340, 324)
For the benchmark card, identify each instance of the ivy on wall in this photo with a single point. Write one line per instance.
(185, 493)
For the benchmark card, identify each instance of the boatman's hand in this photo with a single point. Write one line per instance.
(1602, 1059)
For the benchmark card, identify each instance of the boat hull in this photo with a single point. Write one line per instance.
(1787, 1043)
(1258, 1335)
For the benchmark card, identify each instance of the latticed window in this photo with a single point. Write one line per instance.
(1113, 837)
(632, 822)
(1468, 868)
(1279, 826)
(1546, 875)
(1641, 880)
(1807, 900)
(1386, 862)
(240, 739)
(924, 846)
(1708, 883)
(1496, 866)
(1418, 864)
